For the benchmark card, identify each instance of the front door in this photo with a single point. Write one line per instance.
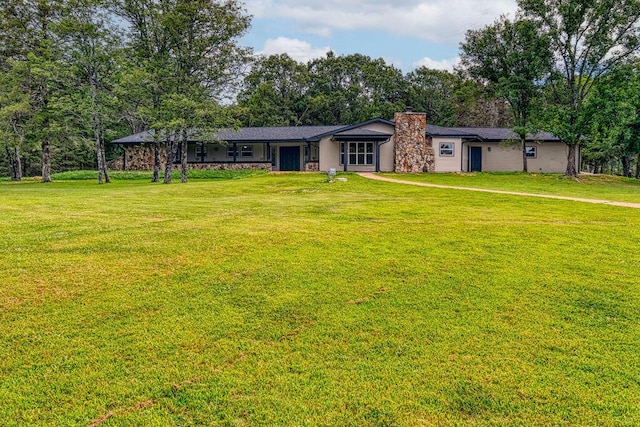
(475, 159)
(289, 158)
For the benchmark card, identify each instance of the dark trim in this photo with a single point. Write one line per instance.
(377, 154)
(357, 125)
(226, 162)
(235, 152)
(364, 138)
(345, 155)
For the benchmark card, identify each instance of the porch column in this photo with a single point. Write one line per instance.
(235, 152)
(268, 153)
(345, 155)
(377, 154)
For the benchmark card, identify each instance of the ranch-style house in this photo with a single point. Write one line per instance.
(406, 144)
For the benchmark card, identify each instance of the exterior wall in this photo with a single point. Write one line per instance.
(551, 157)
(218, 153)
(413, 152)
(140, 157)
(448, 163)
(330, 153)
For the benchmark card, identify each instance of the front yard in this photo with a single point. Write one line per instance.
(286, 300)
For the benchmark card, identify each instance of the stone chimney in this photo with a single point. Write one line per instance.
(413, 151)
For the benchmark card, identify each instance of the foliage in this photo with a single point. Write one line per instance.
(275, 92)
(80, 175)
(614, 114)
(588, 39)
(512, 58)
(284, 300)
(187, 53)
(353, 88)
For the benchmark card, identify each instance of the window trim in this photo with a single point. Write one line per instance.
(534, 152)
(246, 151)
(443, 149)
(365, 154)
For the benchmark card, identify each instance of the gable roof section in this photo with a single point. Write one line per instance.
(361, 135)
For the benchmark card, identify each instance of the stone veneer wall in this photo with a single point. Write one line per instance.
(140, 157)
(413, 151)
(312, 167)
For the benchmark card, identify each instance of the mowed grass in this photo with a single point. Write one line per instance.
(603, 187)
(286, 300)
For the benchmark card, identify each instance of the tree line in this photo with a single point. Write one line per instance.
(75, 74)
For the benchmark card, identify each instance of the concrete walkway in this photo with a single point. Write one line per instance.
(370, 175)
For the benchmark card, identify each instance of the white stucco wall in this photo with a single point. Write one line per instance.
(448, 163)
(551, 157)
(330, 152)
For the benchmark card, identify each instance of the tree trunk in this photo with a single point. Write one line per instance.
(98, 156)
(17, 163)
(525, 167)
(103, 174)
(571, 161)
(107, 178)
(626, 166)
(638, 167)
(183, 157)
(46, 159)
(12, 170)
(156, 156)
(171, 155)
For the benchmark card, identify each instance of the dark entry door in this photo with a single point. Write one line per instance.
(475, 159)
(289, 158)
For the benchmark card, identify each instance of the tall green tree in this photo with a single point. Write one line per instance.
(353, 88)
(28, 31)
(588, 39)
(511, 58)
(613, 111)
(275, 92)
(188, 53)
(92, 45)
(433, 92)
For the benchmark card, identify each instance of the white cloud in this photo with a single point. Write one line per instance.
(445, 64)
(442, 21)
(299, 50)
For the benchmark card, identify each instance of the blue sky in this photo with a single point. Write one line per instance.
(406, 33)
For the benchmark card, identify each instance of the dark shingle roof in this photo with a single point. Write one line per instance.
(485, 134)
(250, 134)
(350, 132)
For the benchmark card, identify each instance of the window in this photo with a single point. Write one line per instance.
(230, 151)
(531, 152)
(201, 152)
(360, 153)
(246, 151)
(446, 149)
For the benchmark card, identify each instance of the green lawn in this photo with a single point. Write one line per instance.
(286, 300)
(605, 187)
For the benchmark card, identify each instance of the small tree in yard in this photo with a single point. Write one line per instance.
(512, 58)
